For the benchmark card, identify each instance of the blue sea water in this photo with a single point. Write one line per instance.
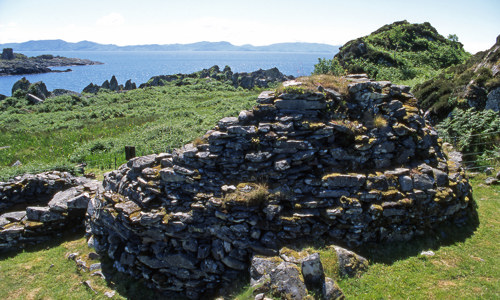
(141, 66)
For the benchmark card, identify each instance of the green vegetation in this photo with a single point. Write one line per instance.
(44, 272)
(66, 130)
(248, 194)
(473, 79)
(475, 133)
(401, 52)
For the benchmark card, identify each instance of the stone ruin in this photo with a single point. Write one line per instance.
(355, 168)
(35, 208)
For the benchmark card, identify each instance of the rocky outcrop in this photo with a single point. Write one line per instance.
(7, 53)
(260, 78)
(111, 85)
(295, 274)
(22, 84)
(493, 100)
(34, 208)
(358, 167)
(473, 84)
(35, 92)
(40, 64)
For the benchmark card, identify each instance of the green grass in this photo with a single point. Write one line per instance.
(67, 130)
(400, 52)
(44, 272)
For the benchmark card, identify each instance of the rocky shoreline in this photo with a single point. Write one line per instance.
(19, 64)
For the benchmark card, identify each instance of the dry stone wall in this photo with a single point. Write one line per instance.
(356, 168)
(34, 208)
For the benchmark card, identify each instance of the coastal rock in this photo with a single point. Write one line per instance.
(7, 53)
(39, 64)
(39, 89)
(22, 84)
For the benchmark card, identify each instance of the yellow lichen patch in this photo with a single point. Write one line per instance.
(331, 175)
(289, 219)
(348, 201)
(313, 125)
(135, 217)
(411, 109)
(406, 202)
(443, 195)
(391, 193)
(33, 224)
(379, 121)
(116, 198)
(166, 218)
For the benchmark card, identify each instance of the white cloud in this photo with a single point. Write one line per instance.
(111, 20)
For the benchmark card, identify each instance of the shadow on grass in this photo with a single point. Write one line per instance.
(444, 235)
(47, 243)
(126, 285)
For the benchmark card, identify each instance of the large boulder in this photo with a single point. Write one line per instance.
(22, 84)
(39, 89)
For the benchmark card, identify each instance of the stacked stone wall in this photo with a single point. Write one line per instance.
(34, 208)
(356, 168)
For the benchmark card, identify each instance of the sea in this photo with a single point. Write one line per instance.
(140, 66)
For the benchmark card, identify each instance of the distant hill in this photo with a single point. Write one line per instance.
(60, 45)
(401, 52)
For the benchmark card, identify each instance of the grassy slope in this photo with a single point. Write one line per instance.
(447, 90)
(400, 52)
(67, 130)
(466, 268)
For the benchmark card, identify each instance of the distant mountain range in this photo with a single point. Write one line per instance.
(60, 45)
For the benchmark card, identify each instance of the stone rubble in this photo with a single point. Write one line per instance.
(357, 168)
(52, 202)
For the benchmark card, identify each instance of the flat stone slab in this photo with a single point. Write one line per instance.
(300, 104)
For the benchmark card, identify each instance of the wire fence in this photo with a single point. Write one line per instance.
(485, 150)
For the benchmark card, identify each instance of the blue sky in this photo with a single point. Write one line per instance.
(257, 22)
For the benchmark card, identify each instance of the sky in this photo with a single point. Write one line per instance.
(256, 22)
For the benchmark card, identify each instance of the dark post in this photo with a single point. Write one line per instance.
(129, 152)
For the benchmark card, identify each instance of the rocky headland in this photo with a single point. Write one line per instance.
(17, 64)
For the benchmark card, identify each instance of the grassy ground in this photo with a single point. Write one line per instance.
(466, 265)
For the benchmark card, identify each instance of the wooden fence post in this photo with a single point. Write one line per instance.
(129, 152)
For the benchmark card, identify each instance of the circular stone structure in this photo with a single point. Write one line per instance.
(358, 167)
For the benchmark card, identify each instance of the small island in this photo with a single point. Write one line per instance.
(17, 64)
